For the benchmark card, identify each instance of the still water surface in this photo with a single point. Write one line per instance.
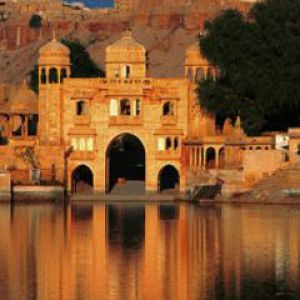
(149, 251)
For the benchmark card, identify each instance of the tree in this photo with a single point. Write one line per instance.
(259, 61)
(35, 21)
(82, 64)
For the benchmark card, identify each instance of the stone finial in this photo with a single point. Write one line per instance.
(238, 130)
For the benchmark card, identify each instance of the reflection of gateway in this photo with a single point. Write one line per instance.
(125, 128)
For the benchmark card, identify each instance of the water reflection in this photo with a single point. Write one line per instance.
(152, 251)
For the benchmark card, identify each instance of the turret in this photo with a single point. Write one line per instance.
(125, 58)
(54, 63)
(54, 67)
(197, 67)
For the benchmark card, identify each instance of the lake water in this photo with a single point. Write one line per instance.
(149, 251)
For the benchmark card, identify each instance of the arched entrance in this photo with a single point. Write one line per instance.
(82, 180)
(125, 165)
(221, 158)
(168, 179)
(210, 158)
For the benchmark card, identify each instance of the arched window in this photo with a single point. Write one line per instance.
(210, 158)
(53, 77)
(90, 144)
(137, 110)
(43, 76)
(176, 143)
(126, 71)
(199, 74)
(81, 108)
(210, 73)
(116, 72)
(168, 109)
(63, 74)
(125, 107)
(190, 74)
(82, 144)
(113, 107)
(222, 158)
(74, 144)
(168, 143)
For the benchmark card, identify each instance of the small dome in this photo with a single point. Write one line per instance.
(54, 53)
(193, 56)
(127, 49)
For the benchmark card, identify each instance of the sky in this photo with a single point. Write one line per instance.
(95, 3)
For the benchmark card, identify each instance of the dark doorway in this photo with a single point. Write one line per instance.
(210, 158)
(125, 165)
(83, 180)
(168, 180)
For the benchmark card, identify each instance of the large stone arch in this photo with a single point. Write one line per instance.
(125, 164)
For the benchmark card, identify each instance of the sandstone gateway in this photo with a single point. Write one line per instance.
(102, 133)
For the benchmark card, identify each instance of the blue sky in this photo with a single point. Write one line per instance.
(96, 3)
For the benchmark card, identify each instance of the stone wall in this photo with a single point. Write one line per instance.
(260, 163)
(5, 186)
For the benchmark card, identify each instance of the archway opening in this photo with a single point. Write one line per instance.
(210, 158)
(125, 161)
(168, 179)
(82, 180)
(222, 158)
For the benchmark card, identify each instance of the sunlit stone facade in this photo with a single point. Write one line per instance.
(81, 120)
(87, 114)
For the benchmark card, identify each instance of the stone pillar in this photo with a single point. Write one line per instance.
(25, 126)
(18, 38)
(10, 126)
(201, 157)
(204, 158)
(58, 75)
(217, 160)
(190, 155)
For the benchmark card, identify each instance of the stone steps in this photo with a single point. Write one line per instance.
(272, 187)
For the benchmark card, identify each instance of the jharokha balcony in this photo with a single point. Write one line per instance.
(169, 154)
(82, 120)
(82, 155)
(125, 120)
(168, 120)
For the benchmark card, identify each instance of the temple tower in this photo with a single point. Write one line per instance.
(54, 66)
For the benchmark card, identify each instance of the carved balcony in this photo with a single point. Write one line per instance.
(83, 155)
(125, 120)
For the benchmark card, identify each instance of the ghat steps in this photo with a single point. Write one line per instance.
(271, 189)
